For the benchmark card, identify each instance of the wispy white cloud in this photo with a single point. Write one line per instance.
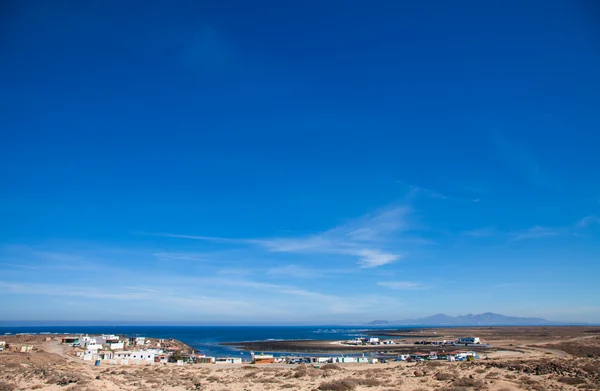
(415, 191)
(402, 285)
(545, 232)
(174, 298)
(28, 267)
(587, 221)
(178, 256)
(293, 271)
(537, 232)
(480, 232)
(369, 238)
(374, 258)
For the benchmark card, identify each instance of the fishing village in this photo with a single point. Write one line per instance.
(110, 349)
(494, 359)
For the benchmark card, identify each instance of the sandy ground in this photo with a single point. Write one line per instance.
(524, 364)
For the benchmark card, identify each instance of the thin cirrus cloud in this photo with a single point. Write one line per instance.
(369, 238)
(480, 232)
(537, 232)
(402, 285)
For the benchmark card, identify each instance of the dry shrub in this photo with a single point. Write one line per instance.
(469, 382)
(64, 379)
(571, 380)
(369, 382)
(527, 381)
(349, 384)
(339, 385)
(303, 370)
(332, 367)
(214, 378)
(4, 386)
(443, 376)
(268, 380)
(591, 367)
(434, 364)
(492, 375)
(12, 365)
(37, 386)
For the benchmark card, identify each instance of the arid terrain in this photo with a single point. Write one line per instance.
(542, 358)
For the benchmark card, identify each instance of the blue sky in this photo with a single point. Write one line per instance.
(299, 162)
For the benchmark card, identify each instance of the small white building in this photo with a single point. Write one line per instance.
(345, 360)
(135, 355)
(373, 340)
(321, 360)
(228, 360)
(116, 345)
(469, 340)
(140, 340)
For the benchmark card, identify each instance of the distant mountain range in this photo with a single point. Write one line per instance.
(486, 319)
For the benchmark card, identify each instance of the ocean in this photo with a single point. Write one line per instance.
(207, 339)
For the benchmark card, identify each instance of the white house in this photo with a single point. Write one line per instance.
(93, 346)
(228, 360)
(141, 355)
(469, 340)
(373, 340)
(345, 359)
(116, 345)
(140, 340)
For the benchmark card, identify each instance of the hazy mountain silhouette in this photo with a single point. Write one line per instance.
(488, 318)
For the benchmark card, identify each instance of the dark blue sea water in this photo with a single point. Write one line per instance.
(207, 339)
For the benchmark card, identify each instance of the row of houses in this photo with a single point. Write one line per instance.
(15, 348)
(368, 341)
(122, 350)
(110, 341)
(460, 341)
(448, 356)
